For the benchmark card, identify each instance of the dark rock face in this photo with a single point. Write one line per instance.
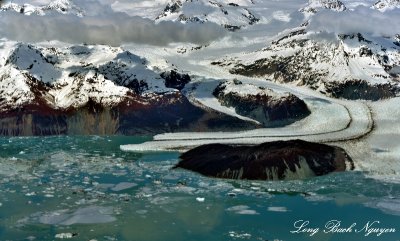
(360, 89)
(175, 80)
(250, 16)
(286, 69)
(267, 107)
(231, 28)
(137, 115)
(278, 160)
(171, 113)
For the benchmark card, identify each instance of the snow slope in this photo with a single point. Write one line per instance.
(295, 57)
(59, 6)
(75, 74)
(232, 15)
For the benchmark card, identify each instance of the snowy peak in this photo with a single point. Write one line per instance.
(231, 15)
(335, 5)
(383, 5)
(14, 89)
(59, 6)
(71, 76)
(29, 59)
(51, 65)
(172, 7)
(314, 5)
(336, 68)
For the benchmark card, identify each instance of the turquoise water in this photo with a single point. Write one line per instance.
(85, 187)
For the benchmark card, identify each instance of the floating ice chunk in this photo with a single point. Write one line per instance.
(104, 186)
(237, 208)
(86, 180)
(54, 217)
(141, 212)
(157, 182)
(242, 209)
(234, 234)
(120, 173)
(64, 235)
(87, 215)
(247, 212)
(185, 189)
(238, 190)
(123, 186)
(1, 204)
(278, 209)
(200, 199)
(390, 206)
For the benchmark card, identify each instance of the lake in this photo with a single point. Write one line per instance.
(86, 188)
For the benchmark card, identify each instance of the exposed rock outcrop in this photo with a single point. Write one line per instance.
(175, 80)
(264, 105)
(136, 115)
(360, 89)
(280, 160)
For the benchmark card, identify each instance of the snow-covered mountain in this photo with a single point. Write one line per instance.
(73, 75)
(60, 90)
(314, 5)
(353, 65)
(384, 5)
(59, 6)
(184, 85)
(232, 15)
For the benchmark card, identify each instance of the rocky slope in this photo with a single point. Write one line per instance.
(352, 65)
(264, 105)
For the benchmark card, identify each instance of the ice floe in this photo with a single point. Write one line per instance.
(86, 215)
